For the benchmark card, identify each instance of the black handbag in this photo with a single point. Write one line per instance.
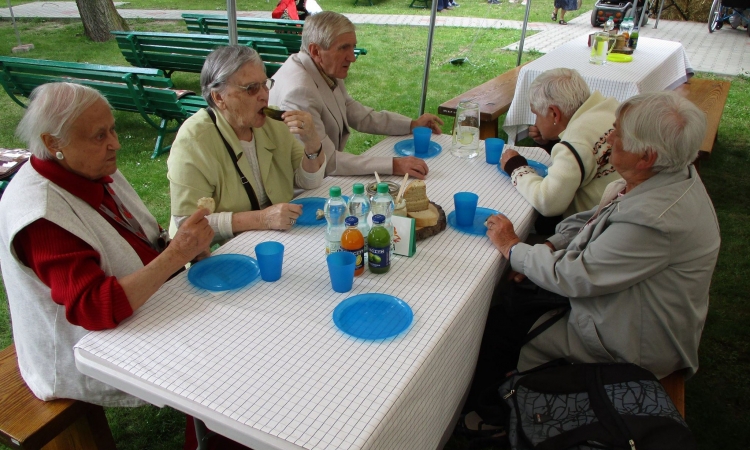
(592, 406)
(526, 297)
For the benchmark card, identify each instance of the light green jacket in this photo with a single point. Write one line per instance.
(199, 165)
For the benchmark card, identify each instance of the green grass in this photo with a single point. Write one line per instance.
(389, 77)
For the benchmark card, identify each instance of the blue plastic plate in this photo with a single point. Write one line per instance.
(224, 272)
(406, 148)
(540, 168)
(477, 227)
(373, 316)
(310, 206)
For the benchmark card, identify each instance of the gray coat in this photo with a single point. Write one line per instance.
(299, 86)
(637, 277)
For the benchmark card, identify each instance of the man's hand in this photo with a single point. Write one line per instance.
(415, 167)
(430, 121)
(536, 135)
(500, 231)
(507, 154)
(281, 216)
(193, 237)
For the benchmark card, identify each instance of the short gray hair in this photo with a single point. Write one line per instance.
(665, 123)
(221, 64)
(564, 88)
(323, 28)
(53, 108)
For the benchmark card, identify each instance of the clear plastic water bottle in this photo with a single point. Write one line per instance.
(626, 26)
(359, 207)
(335, 212)
(610, 25)
(382, 203)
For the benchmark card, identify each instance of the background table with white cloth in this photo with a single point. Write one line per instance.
(266, 366)
(657, 65)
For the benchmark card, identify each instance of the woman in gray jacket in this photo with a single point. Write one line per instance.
(636, 269)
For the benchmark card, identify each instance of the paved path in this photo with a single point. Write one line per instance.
(724, 52)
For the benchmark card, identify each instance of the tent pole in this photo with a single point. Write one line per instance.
(523, 33)
(428, 57)
(232, 21)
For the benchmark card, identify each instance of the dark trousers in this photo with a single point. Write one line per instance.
(498, 355)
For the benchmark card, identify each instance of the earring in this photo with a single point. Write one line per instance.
(554, 123)
(60, 156)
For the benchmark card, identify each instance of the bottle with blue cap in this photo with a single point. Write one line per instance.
(335, 212)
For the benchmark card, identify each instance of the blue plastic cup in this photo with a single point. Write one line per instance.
(421, 140)
(341, 270)
(466, 207)
(493, 148)
(270, 259)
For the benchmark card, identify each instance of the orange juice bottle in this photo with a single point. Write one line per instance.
(352, 241)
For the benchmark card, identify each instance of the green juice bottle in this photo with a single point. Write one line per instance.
(379, 243)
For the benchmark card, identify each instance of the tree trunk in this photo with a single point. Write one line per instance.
(99, 17)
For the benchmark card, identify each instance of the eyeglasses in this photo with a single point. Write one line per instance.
(254, 88)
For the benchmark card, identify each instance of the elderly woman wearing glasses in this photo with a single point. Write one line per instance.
(231, 152)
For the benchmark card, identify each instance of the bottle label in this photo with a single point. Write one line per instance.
(333, 247)
(359, 255)
(379, 257)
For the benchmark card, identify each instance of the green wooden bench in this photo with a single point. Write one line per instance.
(145, 91)
(289, 31)
(184, 52)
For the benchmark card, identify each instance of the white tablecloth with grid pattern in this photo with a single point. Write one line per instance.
(657, 65)
(266, 366)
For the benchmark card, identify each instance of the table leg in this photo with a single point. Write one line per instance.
(488, 129)
(202, 433)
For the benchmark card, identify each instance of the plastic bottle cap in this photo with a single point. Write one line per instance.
(378, 218)
(335, 191)
(358, 188)
(351, 221)
(382, 188)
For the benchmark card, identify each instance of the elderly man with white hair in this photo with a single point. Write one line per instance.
(636, 269)
(313, 81)
(567, 111)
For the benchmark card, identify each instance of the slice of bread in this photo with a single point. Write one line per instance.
(416, 196)
(426, 218)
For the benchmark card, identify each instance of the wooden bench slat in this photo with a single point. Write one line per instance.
(710, 96)
(494, 98)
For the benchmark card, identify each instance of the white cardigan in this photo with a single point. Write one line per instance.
(43, 336)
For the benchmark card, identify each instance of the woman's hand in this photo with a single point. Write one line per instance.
(500, 231)
(301, 123)
(536, 135)
(281, 216)
(194, 236)
(508, 153)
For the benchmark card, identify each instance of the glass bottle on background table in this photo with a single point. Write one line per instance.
(353, 242)
(379, 242)
(335, 212)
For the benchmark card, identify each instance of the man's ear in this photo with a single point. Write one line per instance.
(314, 50)
(647, 161)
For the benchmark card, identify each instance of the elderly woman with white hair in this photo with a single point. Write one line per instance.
(231, 152)
(636, 269)
(79, 249)
(567, 111)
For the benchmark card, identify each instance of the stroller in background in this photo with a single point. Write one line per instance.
(734, 12)
(618, 10)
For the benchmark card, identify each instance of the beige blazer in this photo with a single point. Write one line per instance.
(299, 86)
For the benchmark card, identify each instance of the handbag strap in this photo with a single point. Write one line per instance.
(544, 325)
(578, 159)
(245, 183)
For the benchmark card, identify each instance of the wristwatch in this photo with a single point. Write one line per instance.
(314, 155)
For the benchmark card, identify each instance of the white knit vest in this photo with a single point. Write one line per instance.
(43, 337)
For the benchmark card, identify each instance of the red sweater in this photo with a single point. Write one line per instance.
(68, 265)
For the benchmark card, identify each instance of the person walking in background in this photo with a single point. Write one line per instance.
(565, 6)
